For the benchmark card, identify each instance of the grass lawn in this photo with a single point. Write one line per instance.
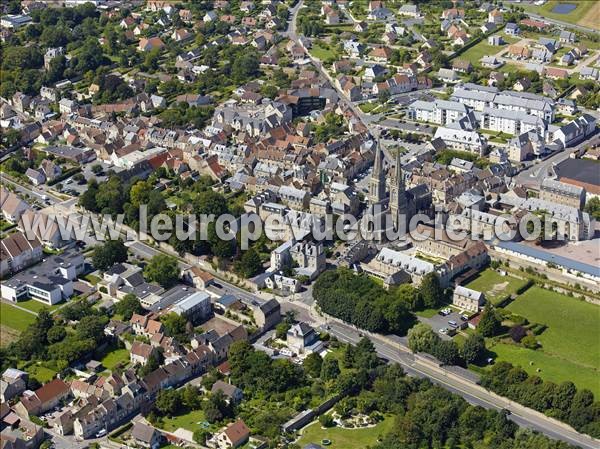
(92, 279)
(573, 329)
(475, 53)
(587, 12)
(494, 286)
(188, 421)
(367, 107)
(554, 369)
(36, 306)
(427, 313)
(14, 318)
(41, 373)
(115, 357)
(323, 53)
(345, 438)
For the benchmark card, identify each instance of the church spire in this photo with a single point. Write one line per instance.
(377, 181)
(399, 177)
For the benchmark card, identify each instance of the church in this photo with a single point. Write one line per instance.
(393, 211)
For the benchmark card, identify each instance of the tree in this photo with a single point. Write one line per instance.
(129, 305)
(112, 252)
(92, 327)
(201, 435)
(175, 326)
(162, 269)
(312, 364)
(168, 402)
(191, 397)
(473, 350)
(446, 351)
(421, 338)
(217, 408)
(330, 368)
(97, 169)
(592, 206)
(490, 323)
(431, 291)
(326, 420)
(56, 333)
(249, 264)
(281, 330)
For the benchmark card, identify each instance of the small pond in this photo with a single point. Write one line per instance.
(564, 8)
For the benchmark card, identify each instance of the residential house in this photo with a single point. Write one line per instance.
(35, 177)
(462, 66)
(13, 383)
(381, 54)
(495, 41)
(232, 393)
(300, 337)
(496, 17)
(18, 252)
(43, 399)
(468, 299)
(12, 206)
(410, 10)
(150, 44)
(567, 37)
(233, 436)
(491, 62)
(140, 353)
(146, 436)
(512, 29)
(448, 75)
(267, 315)
(519, 52)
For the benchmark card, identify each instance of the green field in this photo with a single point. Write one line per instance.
(36, 306)
(345, 438)
(189, 421)
(323, 53)
(573, 329)
(495, 286)
(14, 318)
(554, 369)
(115, 357)
(475, 53)
(587, 12)
(41, 373)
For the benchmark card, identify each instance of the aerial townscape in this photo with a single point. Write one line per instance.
(300, 224)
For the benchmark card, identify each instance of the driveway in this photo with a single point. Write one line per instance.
(438, 322)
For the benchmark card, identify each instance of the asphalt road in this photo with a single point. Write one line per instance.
(447, 377)
(534, 175)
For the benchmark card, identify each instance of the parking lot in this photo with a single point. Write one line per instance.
(438, 322)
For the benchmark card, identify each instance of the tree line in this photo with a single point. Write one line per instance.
(564, 401)
(360, 300)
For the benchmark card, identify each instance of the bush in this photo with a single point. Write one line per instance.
(326, 420)
(530, 342)
(517, 333)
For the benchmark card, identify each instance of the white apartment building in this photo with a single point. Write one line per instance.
(512, 122)
(479, 97)
(462, 140)
(441, 112)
